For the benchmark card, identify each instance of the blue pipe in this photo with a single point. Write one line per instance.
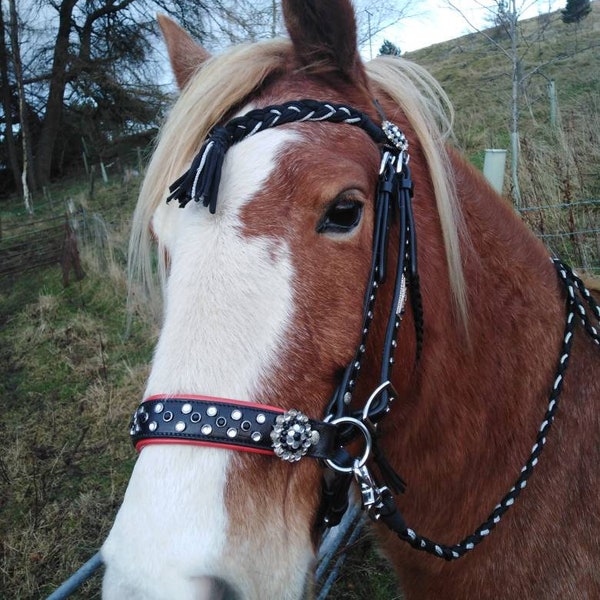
(77, 579)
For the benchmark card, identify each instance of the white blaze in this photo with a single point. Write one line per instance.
(228, 307)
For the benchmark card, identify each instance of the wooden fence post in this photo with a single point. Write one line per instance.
(70, 255)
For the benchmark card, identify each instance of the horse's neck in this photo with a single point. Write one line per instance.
(472, 408)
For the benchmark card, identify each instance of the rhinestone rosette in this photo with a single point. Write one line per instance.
(292, 436)
(395, 136)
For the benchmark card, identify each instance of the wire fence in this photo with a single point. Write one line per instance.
(570, 230)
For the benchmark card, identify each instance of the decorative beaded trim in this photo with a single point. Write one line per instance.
(395, 135)
(211, 421)
(293, 436)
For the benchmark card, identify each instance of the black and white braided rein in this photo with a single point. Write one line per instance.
(578, 296)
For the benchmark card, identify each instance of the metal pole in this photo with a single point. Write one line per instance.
(370, 36)
(77, 579)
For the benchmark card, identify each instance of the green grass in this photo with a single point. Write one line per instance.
(69, 378)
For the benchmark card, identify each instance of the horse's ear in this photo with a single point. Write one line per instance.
(185, 54)
(324, 36)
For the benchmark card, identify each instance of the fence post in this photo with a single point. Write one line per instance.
(92, 178)
(493, 168)
(103, 171)
(552, 98)
(139, 160)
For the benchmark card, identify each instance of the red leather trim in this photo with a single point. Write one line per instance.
(152, 442)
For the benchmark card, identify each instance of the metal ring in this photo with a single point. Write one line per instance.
(375, 394)
(366, 453)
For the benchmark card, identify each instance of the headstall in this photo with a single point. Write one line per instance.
(291, 435)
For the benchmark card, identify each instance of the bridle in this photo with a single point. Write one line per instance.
(291, 435)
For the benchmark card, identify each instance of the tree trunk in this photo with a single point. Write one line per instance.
(274, 18)
(54, 107)
(7, 106)
(26, 175)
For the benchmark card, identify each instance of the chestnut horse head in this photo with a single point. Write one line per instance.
(266, 254)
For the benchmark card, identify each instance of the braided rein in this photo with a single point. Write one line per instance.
(385, 509)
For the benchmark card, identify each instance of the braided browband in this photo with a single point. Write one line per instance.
(201, 182)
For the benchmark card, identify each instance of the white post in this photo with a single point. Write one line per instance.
(493, 168)
(552, 96)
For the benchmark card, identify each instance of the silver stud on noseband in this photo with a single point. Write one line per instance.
(292, 436)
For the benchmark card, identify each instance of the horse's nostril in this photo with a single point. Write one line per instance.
(216, 589)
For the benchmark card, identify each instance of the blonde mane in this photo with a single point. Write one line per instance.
(224, 82)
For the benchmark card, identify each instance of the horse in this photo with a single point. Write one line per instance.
(345, 299)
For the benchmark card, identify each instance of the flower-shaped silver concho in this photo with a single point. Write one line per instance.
(395, 136)
(292, 435)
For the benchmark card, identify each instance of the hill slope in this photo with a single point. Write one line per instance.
(476, 74)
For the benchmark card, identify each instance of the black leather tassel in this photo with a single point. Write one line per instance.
(413, 271)
(201, 182)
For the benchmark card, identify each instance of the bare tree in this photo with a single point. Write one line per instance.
(373, 16)
(236, 21)
(507, 15)
(8, 103)
(88, 67)
(25, 138)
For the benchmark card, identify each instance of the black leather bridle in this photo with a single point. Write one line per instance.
(291, 435)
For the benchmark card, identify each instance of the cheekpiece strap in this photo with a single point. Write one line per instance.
(207, 421)
(201, 182)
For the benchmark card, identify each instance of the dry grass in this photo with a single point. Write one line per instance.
(476, 76)
(559, 165)
(69, 378)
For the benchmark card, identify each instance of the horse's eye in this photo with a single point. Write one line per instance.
(342, 216)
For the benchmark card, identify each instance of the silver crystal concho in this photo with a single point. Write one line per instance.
(394, 134)
(292, 435)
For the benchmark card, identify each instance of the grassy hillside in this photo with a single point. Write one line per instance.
(476, 74)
